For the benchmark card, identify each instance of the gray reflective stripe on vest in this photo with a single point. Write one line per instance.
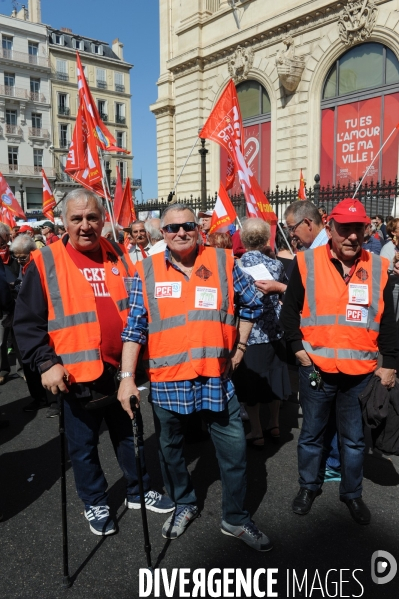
(149, 277)
(86, 355)
(374, 326)
(325, 319)
(60, 321)
(322, 352)
(224, 288)
(123, 304)
(212, 315)
(167, 323)
(355, 354)
(209, 352)
(376, 264)
(166, 361)
(120, 253)
(310, 289)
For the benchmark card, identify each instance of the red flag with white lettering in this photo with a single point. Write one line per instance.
(10, 207)
(224, 213)
(48, 199)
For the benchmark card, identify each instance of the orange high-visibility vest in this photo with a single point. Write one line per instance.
(339, 333)
(73, 326)
(192, 327)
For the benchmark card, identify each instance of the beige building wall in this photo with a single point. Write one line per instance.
(198, 40)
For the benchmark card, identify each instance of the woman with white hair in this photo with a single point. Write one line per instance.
(262, 376)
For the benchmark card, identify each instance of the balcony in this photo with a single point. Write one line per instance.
(63, 110)
(10, 91)
(102, 84)
(27, 171)
(41, 61)
(103, 117)
(119, 87)
(61, 76)
(64, 144)
(60, 176)
(13, 130)
(34, 132)
(37, 97)
(120, 119)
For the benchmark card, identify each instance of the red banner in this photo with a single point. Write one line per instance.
(48, 199)
(10, 207)
(224, 213)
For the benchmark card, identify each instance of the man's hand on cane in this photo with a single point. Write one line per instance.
(56, 379)
(127, 388)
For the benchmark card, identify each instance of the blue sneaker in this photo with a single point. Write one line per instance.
(177, 523)
(99, 520)
(332, 476)
(154, 501)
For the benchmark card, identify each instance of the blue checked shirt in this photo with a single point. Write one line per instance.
(201, 393)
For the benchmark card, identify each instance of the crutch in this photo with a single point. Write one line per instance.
(147, 545)
(66, 583)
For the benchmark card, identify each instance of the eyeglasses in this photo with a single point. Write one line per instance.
(175, 227)
(21, 258)
(292, 229)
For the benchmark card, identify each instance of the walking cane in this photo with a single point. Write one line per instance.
(147, 545)
(66, 583)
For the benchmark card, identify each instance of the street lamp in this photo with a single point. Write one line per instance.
(21, 191)
(203, 152)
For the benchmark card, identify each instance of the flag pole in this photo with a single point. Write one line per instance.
(285, 239)
(107, 194)
(374, 159)
(172, 193)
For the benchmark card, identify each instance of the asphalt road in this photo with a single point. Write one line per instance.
(305, 548)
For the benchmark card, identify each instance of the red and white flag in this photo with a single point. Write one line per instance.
(302, 188)
(224, 213)
(126, 214)
(48, 199)
(224, 126)
(10, 207)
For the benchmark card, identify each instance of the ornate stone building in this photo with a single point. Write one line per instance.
(318, 84)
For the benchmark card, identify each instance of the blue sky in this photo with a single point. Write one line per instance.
(136, 23)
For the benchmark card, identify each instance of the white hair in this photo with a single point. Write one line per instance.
(81, 193)
(23, 243)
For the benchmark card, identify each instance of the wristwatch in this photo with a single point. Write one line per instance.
(123, 375)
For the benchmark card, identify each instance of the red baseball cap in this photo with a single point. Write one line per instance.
(349, 211)
(25, 228)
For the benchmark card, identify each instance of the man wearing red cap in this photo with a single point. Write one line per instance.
(337, 315)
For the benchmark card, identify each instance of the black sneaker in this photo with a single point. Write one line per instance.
(52, 412)
(33, 406)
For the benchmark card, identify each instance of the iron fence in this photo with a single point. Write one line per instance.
(378, 198)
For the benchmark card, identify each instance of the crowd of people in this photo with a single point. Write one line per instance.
(213, 320)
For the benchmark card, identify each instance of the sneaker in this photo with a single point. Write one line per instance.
(177, 523)
(249, 533)
(243, 413)
(52, 412)
(154, 501)
(33, 406)
(331, 475)
(99, 520)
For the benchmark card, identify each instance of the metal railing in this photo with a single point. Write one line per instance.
(103, 117)
(13, 92)
(42, 61)
(14, 130)
(63, 110)
(64, 143)
(61, 76)
(102, 84)
(38, 132)
(25, 170)
(63, 177)
(119, 87)
(37, 97)
(120, 119)
(378, 198)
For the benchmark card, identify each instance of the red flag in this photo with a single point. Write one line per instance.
(10, 206)
(48, 199)
(118, 195)
(224, 126)
(103, 137)
(127, 243)
(126, 214)
(224, 213)
(302, 188)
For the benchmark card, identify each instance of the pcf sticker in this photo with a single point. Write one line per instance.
(167, 289)
(356, 314)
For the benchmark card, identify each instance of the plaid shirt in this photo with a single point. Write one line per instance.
(201, 393)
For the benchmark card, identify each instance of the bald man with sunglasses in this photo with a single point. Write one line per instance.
(182, 310)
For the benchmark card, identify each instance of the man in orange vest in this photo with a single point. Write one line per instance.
(338, 314)
(183, 303)
(70, 313)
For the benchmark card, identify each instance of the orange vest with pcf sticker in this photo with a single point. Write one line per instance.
(192, 327)
(73, 326)
(340, 322)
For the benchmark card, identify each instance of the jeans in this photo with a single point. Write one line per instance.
(228, 437)
(82, 429)
(316, 407)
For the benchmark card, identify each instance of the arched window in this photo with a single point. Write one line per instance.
(255, 111)
(360, 107)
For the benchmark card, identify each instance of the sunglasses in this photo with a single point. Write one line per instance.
(175, 227)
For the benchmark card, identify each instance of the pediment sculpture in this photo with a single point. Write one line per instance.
(289, 66)
(240, 64)
(356, 21)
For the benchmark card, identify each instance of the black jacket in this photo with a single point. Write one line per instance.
(380, 407)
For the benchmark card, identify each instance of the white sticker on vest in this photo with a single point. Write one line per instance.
(206, 297)
(167, 289)
(358, 294)
(356, 314)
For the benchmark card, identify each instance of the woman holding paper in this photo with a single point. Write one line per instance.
(262, 376)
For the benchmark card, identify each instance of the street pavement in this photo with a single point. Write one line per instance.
(305, 547)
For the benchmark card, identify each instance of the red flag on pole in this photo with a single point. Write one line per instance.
(224, 126)
(126, 214)
(302, 188)
(224, 213)
(118, 195)
(103, 137)
(10, 207)
(48, 199)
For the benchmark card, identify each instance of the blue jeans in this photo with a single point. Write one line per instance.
(316, 408)
(82, 428)
(228, 437)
